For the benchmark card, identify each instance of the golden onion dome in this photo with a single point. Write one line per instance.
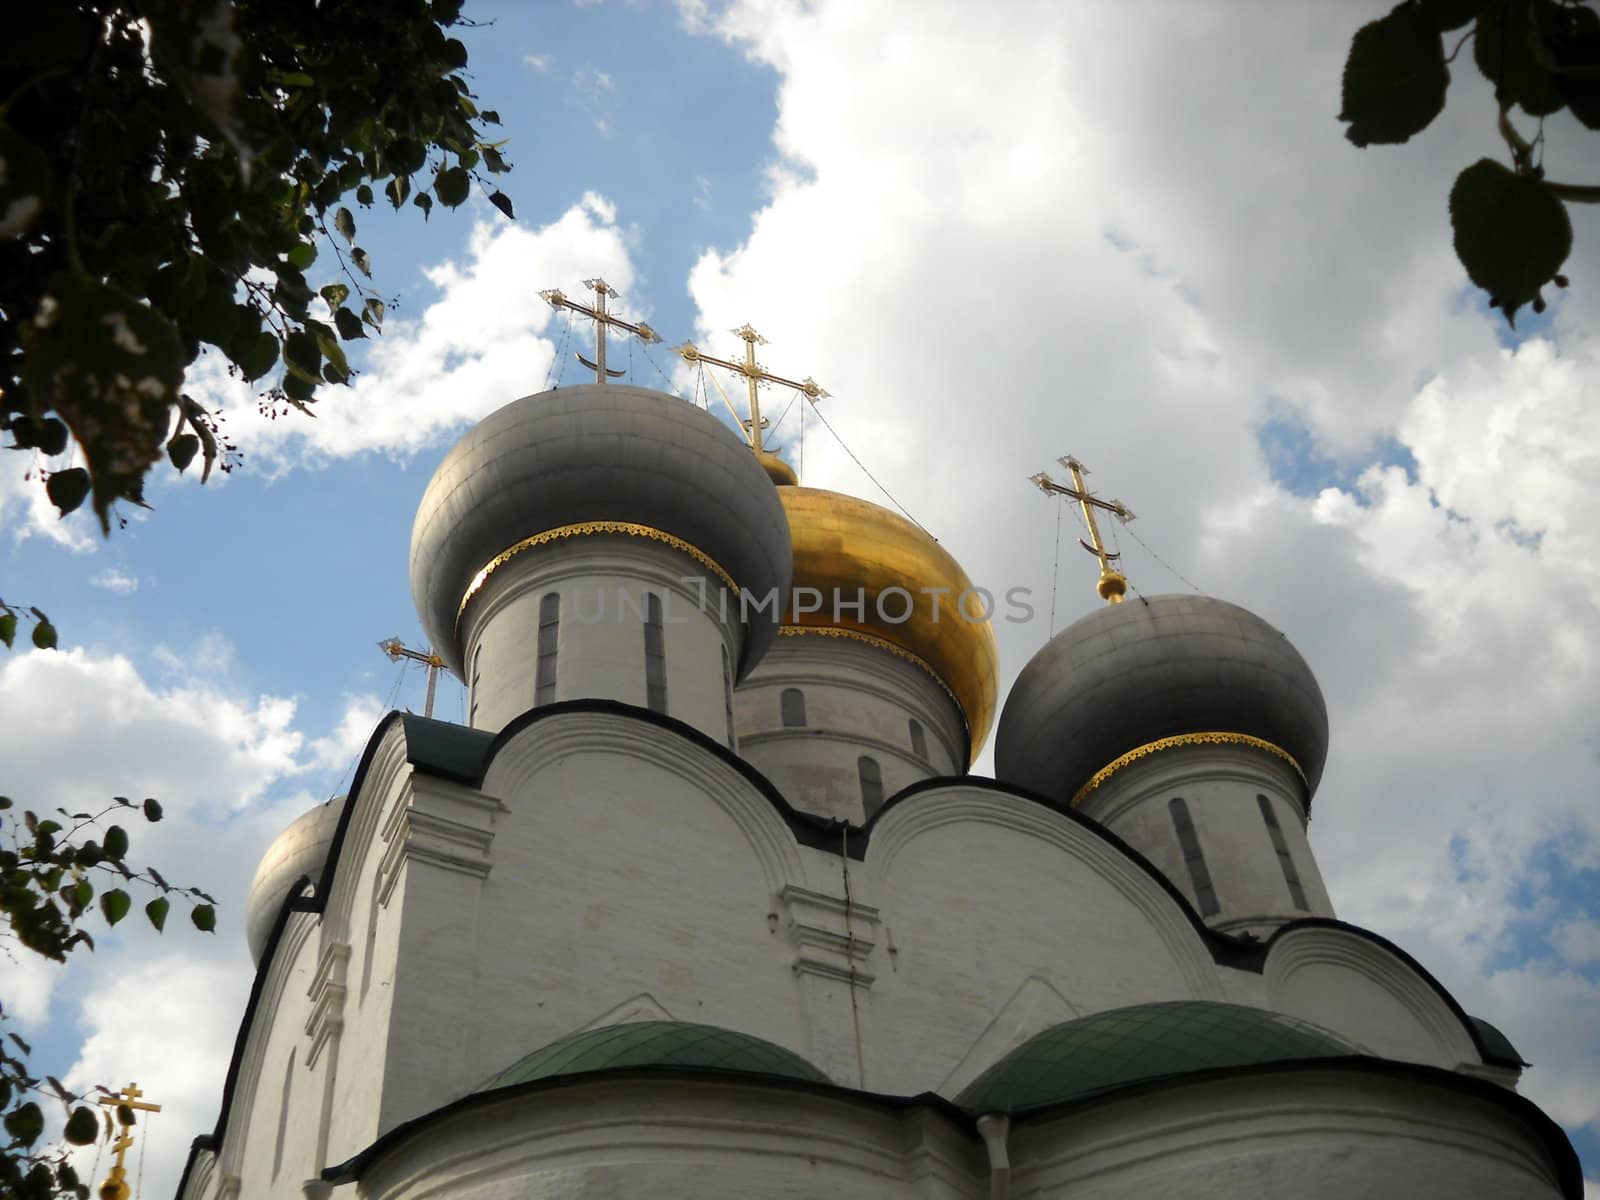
(842, 544)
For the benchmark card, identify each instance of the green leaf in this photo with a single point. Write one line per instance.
(152, 810)
(300, 355)
(490, 116)
(182, 449)
(1503, 48)
(115, 905)
(52, 437)
(44, 635)
(204, 918)
(363, 198)
(1394, 78)
(333, 353)
(1511, 234)
(361, 260)
(503, 202)
(116, 843)
(25, 182)
(67, 489)
(110, 368)
(423, 201)
(349, 325)
(405, 155)
(344, 221)
(1576, 49)
(302, 256)
(452, 186)
(335, 294)
(263, 356)
(82, 894)
(398, 189)
(25, 1123)
(8, 635)
(156, 910)
(82, 1126)
(372, 312)
(496, 164)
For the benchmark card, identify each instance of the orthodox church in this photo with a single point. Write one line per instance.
(702, 900)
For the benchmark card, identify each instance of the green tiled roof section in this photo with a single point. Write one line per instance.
(1147, 1041)
(1497, 1047)
(445, 749)
(658, 1044)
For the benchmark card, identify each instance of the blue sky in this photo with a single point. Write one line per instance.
(1083, 232)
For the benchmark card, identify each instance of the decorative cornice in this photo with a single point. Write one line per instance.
(822, 929)
(1210, 738)
(589, 529)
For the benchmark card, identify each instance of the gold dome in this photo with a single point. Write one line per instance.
(842, 544)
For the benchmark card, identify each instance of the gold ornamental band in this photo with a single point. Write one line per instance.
(1215, 738)
(588, 529)
(867, 639)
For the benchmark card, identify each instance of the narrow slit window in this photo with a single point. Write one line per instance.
(655, 656)
(727, 693)
(919, 740)
(472, 714)
(549, 637)
(1205, 893)
(871, 784)
(1290, 876)
(283, 1115)
(793, 704)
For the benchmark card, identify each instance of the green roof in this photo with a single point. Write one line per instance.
(1497, 1048)
(658, 1044)
(1146, 1041)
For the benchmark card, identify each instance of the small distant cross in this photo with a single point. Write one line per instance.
(1113, 584)
(115, 1186)
(602, 320)
(754, 375)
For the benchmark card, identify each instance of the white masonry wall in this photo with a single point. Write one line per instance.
(860, 701)
(1219, 784)
(603, 582)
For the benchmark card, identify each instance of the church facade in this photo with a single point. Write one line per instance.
(703, 902)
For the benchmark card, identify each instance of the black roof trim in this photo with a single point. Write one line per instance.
(1569, 1171)
(213, 1140)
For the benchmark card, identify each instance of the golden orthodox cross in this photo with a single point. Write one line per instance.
(1112, 583)
(602, 320)
(754, 375)
(396, 650)
(115, 1186)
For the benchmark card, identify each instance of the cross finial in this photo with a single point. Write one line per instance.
(1113, 584)
(115, 1186)
(754, 375)
(602, 320)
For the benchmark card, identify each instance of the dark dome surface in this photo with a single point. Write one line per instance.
(1132, 673)
(301, 849)
(1112, 1049)
(598, 452)
(663, 1044)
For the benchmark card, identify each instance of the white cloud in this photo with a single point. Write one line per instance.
(539, 62)
(231, 770)
(487, 337)
(114, 579)
(1132, 234)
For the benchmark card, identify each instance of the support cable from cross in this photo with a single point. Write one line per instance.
(602, 321)
(1112, 584)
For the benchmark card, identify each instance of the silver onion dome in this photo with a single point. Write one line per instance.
(1133, 673)
(301, 849)
(598, 452)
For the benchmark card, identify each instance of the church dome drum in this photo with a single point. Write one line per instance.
(1136, 675)
(599, 458)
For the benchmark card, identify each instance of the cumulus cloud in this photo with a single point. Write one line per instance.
(116, 580)
(486, 337)
(1137, 235)
(231, 770)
